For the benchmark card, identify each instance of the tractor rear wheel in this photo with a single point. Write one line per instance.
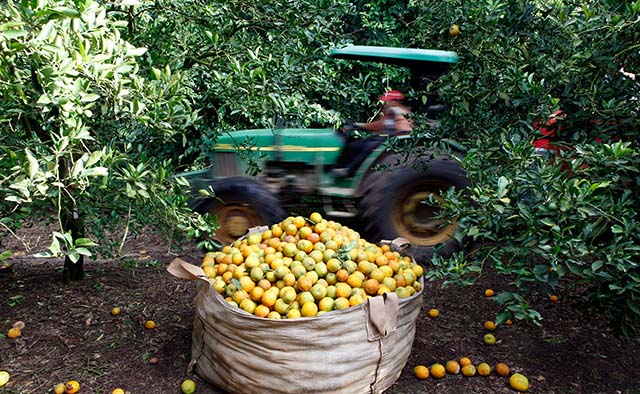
(396, 204)
(239, 204)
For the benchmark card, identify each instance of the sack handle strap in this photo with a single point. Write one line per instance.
(383, 313)
(183, 270)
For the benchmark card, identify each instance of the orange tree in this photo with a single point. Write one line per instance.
(545, 222)
(80, 127)
(567, 219)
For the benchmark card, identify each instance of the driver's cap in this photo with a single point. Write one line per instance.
(391, 95)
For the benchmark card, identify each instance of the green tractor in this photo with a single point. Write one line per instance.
(383, 198)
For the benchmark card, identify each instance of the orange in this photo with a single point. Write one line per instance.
(188, 386)
(115, 311)
(342, 275)
(489, 339)
(149, 324)
(433, 313)
(4, 378)
(117, 391)
(315, 217)
(343, 290)
(72, 387)
(553, 298)
(489, 325)
(355, 281)
(502, 369)
(454, 30)
(421, 372)
(58, 388)
(13, 333)
(489, 293)
(341, 303)
(438, 371)
(261, 311)
(371, 286)
(309, 309)
(452, 367)
(305, 283)
(465, 361)
(508, 322)
(484, 369)
(519, 382)
(469, 370)
(299, 221)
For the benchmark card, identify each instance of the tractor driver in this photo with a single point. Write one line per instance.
(393, 122)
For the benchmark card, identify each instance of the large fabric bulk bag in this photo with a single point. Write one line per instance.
(362, 349)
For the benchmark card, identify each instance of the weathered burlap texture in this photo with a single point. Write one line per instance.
(357, 350)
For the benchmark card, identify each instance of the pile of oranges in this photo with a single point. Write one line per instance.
(306, 267)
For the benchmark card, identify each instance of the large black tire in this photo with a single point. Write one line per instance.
(239, 204)
(391, 206)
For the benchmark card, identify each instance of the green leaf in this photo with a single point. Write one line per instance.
(85, 242)
(95, 171)
(87, 98)
(502, 185)
(12, 34)
(66, 11)
(33, 166)
(5, 255)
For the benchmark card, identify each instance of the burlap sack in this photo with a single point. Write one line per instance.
(361, 349)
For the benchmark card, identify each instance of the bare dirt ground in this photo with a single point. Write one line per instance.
(70, 334)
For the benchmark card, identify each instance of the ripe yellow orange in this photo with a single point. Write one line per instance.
(489, 339)
(484, 369)
(553, 298)
(489, 293)
(438, 371)
(356, 299)
(115, 311)
(59, 388)
(261, 311)
(4, 378)
(469, 370)
(341, 303)
(309, 309)
(149, 324)
(315, 217)
(465, 361)
(421, 372)
(299, 221)
(72, 387)
(13, 333)
(489, 325)
(117, 391)
(452, 367)
(343, 290)
(519, 382)
(502, 369)
(454, 30)
(433, 313)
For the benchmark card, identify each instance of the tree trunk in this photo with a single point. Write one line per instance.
(71, 222)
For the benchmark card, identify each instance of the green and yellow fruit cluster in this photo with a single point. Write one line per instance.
(305, 267)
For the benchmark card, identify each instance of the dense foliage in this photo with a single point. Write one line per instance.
(79, 127)
(567, 220)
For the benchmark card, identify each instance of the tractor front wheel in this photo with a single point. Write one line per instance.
(239, 204)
